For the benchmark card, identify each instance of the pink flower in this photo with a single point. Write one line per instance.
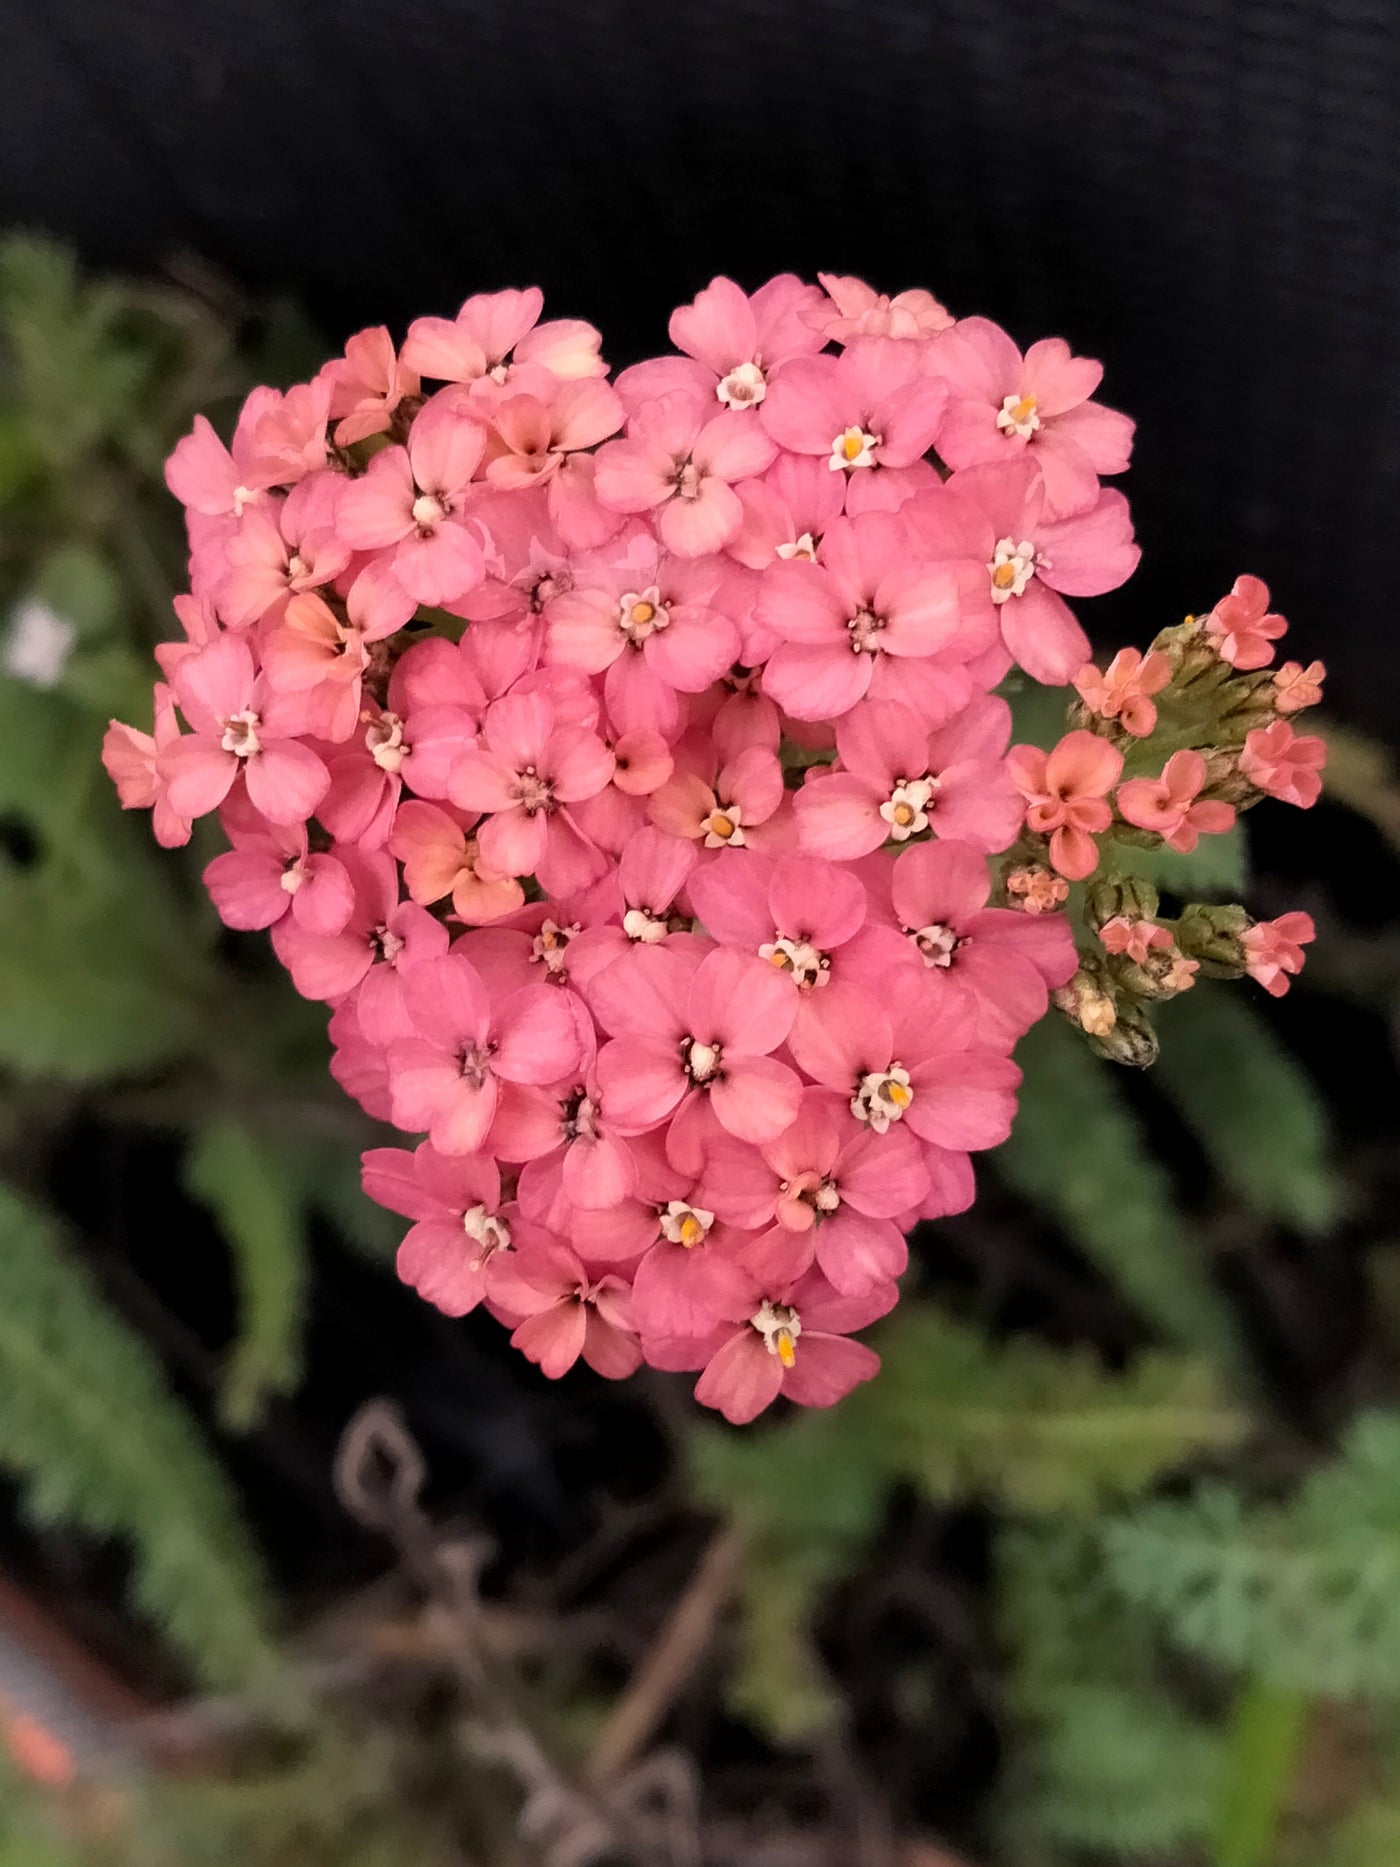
(1136, 938)
(1279, 762)
(797, 1347)
(904, 1057)
(477, 346)
(565, 1313)
(1066, 792)
(841, 621)
(1002, 961)
(541, 443)
(447, 1079)
(732, 343)
(1032, 562)
(439, 858)
(292, 428)
(680, 461)
(409, 503)
(452, 1250)
(651, 872)
(692, 1034)
(1273, 950)
(367, 386)
(690, 1279)
(1168, 804)
(238, 729)
(221, 483)
(1242, 628)
(736, 809)
(871, 413)
(1123, 691)
(133, 763)
(898, 781)
(1001, 404)
(271, 871)
(380, 938)
(855, 309)
(1296, 687)
(652, 622)
(827, 1191)
(527, 770)
(787, 511)
(276, 552)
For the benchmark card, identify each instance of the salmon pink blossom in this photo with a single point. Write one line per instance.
(1242, 627)
(872, 413)
(1171, 805)
(1002, 404)
(1273, 950)
(799, 1347)
(1066, 794)
(680, 460)
(1284, 764)
(1297, 687)
(1124, 690)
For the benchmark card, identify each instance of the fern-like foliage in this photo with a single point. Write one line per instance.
(251, 1188)
(1304, 1595)
(956, 1415)
(1255, 1112)
(87, 1423)
(1109, 1192)
(1101, 1756)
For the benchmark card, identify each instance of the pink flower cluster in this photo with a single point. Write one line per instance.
(618, 760)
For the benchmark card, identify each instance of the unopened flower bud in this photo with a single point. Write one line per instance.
(1210, 934)
(1087, 1002)
(1035, 889)
(1132, 1041)
(1128, 896)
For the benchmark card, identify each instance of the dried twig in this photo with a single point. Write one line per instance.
(664, 1672)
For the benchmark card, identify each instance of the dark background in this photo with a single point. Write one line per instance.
(1202, 194)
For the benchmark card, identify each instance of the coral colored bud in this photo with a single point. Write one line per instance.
(1036, 890)
(1296, 687)
(1087, 1003)
(1273, 950)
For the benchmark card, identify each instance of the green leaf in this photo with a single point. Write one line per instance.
(80, 585)
(955, 1415)
(1078, 1154)
(96, 986)
(1102, 1757)
(87, 1424)
(805, 1498)
(1304, 1596)
(1253, 1109)
(248, 1184)
(1216, 869)
(1266, 1734)
(1040, 1428)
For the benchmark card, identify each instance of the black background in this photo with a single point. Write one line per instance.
(1204, 195)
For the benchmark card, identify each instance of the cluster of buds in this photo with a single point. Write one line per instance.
(1167, 747)
(620, 762)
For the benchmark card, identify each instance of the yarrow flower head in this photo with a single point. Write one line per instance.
(620, 764)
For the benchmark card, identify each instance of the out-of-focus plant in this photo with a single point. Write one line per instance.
(116, 998)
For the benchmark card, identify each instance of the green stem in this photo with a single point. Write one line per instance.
(1267, 1728)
